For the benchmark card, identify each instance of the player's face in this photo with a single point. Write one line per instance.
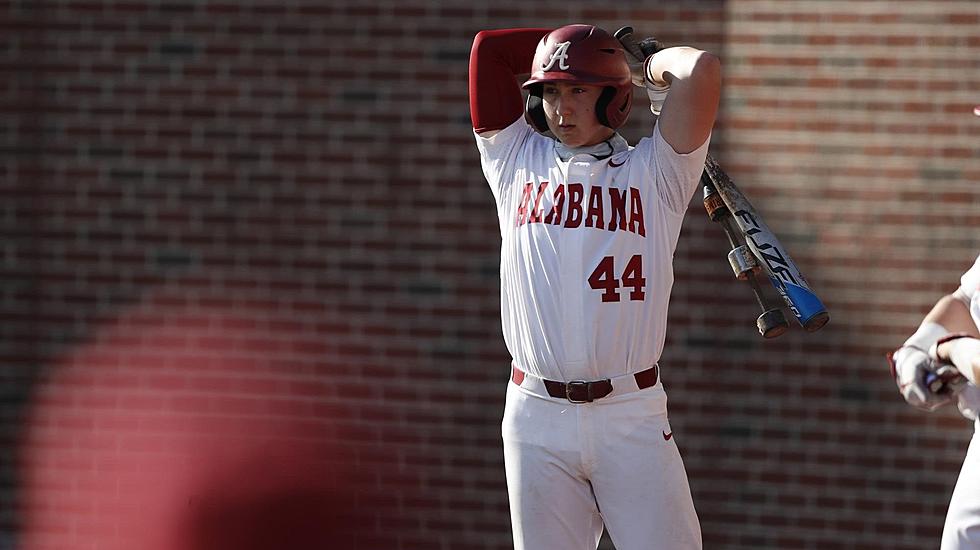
(570, 111)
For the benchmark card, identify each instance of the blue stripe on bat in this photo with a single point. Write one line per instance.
(807, 304)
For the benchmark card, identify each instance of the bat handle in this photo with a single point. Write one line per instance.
(639, 49)
(628, 40)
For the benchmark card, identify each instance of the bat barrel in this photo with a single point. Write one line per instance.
(807, 307)
(744, 225)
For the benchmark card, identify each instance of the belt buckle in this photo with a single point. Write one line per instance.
(574, 384)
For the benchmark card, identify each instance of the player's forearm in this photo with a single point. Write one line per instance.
(953, 315)
(496, 57)
(691, 105)
(675, 65)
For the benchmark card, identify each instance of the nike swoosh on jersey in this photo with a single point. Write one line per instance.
(614, 165)
(667, 436)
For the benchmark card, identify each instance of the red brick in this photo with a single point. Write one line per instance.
(307, 210)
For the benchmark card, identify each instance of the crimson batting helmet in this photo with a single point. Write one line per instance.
(581, 54)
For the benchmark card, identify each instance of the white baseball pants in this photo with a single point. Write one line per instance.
(573, 467)
(962, 529)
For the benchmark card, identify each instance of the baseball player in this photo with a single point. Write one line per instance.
(589, 226)
(938, 365)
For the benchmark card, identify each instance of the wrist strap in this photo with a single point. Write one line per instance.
(648, 80)
(952, 336)
(934, 349)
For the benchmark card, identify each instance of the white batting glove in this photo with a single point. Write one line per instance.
(655, 91)
(962, 354)
(963, 351)
(911, 365)
(640, 76)
(657, 98)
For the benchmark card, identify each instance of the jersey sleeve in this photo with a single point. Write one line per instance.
(675, 175)
(500, 154)
(496, 57)
(969, 291)
(970, 281)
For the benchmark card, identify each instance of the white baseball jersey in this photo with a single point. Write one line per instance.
(587, 250)
(586, 254)
(970, 288)
(962, 528)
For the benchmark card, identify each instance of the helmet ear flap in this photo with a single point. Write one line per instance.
(535, 109)
(613, 115)
(602, 105)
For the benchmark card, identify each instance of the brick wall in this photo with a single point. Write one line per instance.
(850, 124)
(250, 281)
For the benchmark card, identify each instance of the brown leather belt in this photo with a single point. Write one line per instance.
(581, 391)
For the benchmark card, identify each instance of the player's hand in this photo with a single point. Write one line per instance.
(960, 350)
(637, 69)
(911, 367)
(945, 379)
(638, 52)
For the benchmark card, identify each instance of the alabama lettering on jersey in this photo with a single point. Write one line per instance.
(586, 250)
(593, 213)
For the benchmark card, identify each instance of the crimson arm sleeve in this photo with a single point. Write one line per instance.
(495, 59)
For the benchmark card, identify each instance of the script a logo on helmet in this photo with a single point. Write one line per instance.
(560, 55)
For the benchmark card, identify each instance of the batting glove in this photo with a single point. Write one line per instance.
(963, 351)
(657, 94)
(911, 366)
(641, 77)
(637, 69)
(915, 370)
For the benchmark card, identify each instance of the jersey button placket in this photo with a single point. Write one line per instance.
(588, 424)
(573, 277)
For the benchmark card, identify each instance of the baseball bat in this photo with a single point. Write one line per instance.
(773, 257)
(755, 247)
(771, 323)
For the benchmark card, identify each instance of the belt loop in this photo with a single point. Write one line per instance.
(516, 375)
(647, 378)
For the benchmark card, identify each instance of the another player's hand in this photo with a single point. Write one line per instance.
(960, 350)
(911, 367)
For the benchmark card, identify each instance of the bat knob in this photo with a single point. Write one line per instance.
(772, 323)
(623, 31)
(743, 263)
(816, 322)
